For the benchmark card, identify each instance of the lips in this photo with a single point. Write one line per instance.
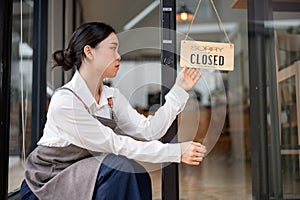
(117, 66)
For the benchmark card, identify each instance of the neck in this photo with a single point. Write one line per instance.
(93, 82)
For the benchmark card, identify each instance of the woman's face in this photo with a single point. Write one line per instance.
(106, 57)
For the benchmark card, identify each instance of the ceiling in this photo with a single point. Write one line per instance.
(118, 13)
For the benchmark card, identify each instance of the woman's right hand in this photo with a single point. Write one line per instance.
(187, 78)
(192, 153)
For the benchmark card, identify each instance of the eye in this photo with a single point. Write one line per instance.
(113, 48)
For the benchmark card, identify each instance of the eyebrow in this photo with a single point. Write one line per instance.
(115, 43)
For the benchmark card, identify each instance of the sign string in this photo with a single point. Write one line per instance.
(196, 11)
(219, 19)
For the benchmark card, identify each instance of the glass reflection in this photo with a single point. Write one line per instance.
(21, 82)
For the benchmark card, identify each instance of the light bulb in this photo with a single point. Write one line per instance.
(183, 16)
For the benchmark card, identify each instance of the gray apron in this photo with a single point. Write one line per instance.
(64, 172)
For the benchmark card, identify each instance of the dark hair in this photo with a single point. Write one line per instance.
(91, 34)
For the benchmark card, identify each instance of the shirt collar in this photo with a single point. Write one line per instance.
(81, 89)
(107, 92)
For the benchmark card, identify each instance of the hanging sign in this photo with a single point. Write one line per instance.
(208, 55)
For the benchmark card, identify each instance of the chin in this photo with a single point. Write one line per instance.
(111, 75)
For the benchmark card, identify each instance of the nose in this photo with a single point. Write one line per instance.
(118, 56)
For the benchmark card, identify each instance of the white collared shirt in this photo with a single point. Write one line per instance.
(68, 122)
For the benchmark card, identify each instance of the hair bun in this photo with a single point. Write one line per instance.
(64, 58)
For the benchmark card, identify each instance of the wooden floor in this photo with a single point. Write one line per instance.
(216, 178)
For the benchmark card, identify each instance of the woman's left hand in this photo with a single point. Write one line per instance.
(192, 153)
(188, 77)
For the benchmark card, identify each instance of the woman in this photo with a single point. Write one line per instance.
(86, 117)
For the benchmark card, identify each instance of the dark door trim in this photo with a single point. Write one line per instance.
(265, 156)
(5, 77)
(170, 186)
(258, 99)
(39, 73)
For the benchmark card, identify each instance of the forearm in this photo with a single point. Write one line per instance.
(154, 126)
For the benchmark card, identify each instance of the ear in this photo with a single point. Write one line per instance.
(88, 51)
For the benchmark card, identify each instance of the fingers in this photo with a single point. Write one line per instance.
(194, 163)
(198, 147)
(193, 73)
(185, 69)
(198, 153)
(199, 75)
(194, 153)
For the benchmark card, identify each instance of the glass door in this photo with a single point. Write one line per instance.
(287, 49)
(274, 98)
